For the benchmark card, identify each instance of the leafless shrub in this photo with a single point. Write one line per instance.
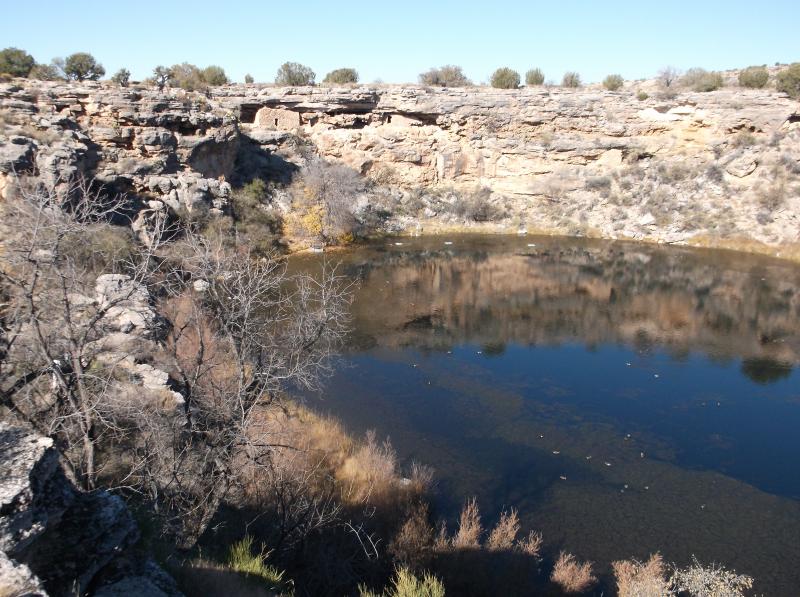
(371, 472)
(667, 76)
(323, 198)
(477, 206)
(638, 579)
(601, 184)
(743, 139)
(413, 544)
(275, 329)
(532, 544)
(470, 530)
(572, 576)
(504, 534)
(55, 376)
(711, 581)
(772, 196)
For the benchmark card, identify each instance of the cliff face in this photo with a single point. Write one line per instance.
(719, 168)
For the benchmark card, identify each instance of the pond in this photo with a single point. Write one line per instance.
(625, 398)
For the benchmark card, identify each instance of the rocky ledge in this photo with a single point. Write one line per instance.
(57, 540)
(719, 168)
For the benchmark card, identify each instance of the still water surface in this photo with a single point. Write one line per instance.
(662, 383)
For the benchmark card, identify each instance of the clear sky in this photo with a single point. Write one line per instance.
(395, 41)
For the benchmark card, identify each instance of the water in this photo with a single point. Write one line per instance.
(661, 382)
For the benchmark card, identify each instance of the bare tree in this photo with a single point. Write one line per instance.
(53, 375)
(243, 330)
(667, 76)
(335, 188)
(240, 330)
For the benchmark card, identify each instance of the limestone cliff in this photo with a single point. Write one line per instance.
(719, 168)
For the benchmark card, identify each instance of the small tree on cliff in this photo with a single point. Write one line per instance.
(214, 76)
(161, 76)
(341, 76)
(448, 75)
(122, 77)
(505, 78)
(571, 80)
(535, 76)
(16, 62)
(294, 73)
(667, 76)
(82, 66)
(613, 82)
(788, 80)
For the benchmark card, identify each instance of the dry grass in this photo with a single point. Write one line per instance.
(504, 534)
(370, 472)
(413, 544)
(571, 575)
(532, 544)
(470, 530)
(642, 579)
(406, 584)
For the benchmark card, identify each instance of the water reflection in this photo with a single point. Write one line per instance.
(659, 382)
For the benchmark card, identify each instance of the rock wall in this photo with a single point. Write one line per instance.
(57, 540)
(711, 168)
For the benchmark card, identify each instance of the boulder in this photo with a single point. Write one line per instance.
(54, 538)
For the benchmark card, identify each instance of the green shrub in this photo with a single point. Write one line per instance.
(16, 62)
(341, 76)
(535, 76)
(242, 559)
(571, 80)
(256, 223)
(248, 79)
(448, 75)
(505, 78)
(788, 80)
(754, 77)
(295, 74)
(613, 82)
(641, 96)
(406, 584)
(214, 75)
(186, 76)
(702, 80)
(122, 77)
(82, 66)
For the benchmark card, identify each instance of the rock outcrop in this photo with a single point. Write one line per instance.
(709, 168)
(57, 540)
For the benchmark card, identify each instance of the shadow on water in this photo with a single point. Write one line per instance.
(625, 398)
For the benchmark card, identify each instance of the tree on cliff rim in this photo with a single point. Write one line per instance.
(16, 62)
(341, 76)
(82, 66)
(294, 73)
(448, 75)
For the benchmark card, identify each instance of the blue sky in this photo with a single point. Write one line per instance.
(396, 41)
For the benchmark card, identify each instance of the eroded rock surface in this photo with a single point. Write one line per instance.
(691, 167)
(55, 539)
